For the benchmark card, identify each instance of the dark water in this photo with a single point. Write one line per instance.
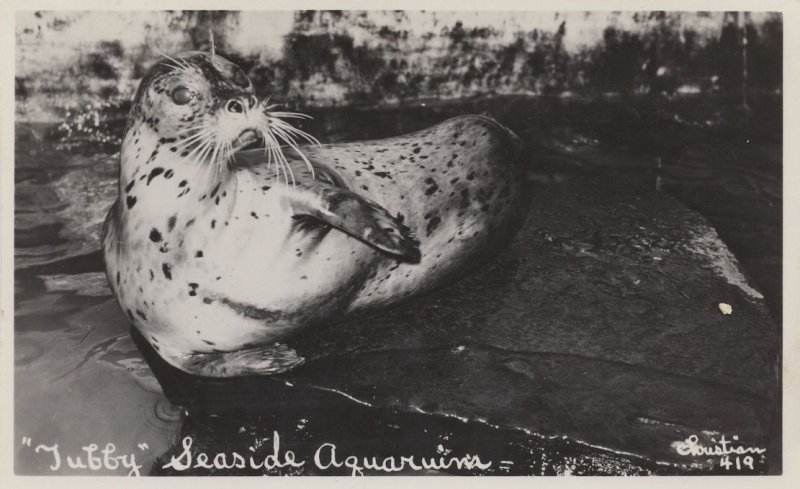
(80, 377)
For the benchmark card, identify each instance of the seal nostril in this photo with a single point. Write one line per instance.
(253, 101)
(234, 106)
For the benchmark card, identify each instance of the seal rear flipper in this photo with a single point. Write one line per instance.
(264, 360)
(356, 216)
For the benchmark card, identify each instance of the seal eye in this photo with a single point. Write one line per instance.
(182, 95)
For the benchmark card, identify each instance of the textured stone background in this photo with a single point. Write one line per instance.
(79, 60)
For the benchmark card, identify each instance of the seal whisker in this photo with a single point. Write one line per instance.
(291, 142)
(222, 151)
(207, 136)
(216, 155)
(280, 159)
(290, 115)
(192, 156)
(182, 65)
(205, 147)
(269, 152)
(273, 153)
(227, 151)
(202, 141)
(293, 130)
(195, 137)
(197, 131)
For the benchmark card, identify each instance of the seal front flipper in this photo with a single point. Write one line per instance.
(263, 360)
(356, 216)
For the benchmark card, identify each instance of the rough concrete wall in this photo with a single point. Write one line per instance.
(73, 60)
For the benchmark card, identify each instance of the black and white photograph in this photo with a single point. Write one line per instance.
(428, 242)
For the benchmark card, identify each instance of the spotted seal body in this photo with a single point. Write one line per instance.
(217, 257)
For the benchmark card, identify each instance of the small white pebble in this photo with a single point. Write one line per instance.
(726, 309)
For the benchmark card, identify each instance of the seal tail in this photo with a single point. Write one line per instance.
(516, 141)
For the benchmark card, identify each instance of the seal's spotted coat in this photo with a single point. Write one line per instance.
(216, 261)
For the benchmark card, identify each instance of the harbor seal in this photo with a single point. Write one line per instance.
(227, 235)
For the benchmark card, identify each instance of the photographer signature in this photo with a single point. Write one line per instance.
(732, 454)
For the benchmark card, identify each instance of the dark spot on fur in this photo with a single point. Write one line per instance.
(141, 314)
(155, 235)
(152, 156)
(207, 300)
(199, 254)
(130, 201)
(193, 289)
(183, 183)
(168, 174)
(190, 222)
(167, 269)
(154, 173)
(432, 225)
(433, 186)
(117, 278)
(213, 223)
(130, 186)
(250, 311)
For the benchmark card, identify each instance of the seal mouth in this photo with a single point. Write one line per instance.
(247, 139)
